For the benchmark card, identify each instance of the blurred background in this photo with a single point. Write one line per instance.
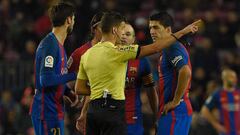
(23, 23)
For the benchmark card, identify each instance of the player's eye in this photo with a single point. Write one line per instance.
(128, 34)
(156, 27)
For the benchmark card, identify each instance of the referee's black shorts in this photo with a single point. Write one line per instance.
(108, 119)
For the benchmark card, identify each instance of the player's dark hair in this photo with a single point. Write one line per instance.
(96, 20)
(110, 20)
(163, 17)
(59, 13)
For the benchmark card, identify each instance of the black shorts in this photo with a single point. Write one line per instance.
(108, 119)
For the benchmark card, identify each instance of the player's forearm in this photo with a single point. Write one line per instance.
(184, 76)
(153, 99)
(205, 112)
(47, 79)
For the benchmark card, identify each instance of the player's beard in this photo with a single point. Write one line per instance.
(230, 84)
(69, 30)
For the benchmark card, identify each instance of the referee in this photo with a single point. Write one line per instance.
(104, 66)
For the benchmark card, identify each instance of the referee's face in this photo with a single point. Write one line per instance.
(157, 30)
(117, 31)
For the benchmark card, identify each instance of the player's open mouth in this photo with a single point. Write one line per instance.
(154, 37)
(123, 42)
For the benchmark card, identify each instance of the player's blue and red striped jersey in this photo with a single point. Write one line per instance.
(50, 60)
(228, 104)
(138, 75)
(74, 59)
(170, 61)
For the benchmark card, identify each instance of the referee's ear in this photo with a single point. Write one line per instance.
(114, 31)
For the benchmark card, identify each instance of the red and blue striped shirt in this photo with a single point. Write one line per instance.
(228, 104)
(138, 75)
(170, 61)
(51, 74)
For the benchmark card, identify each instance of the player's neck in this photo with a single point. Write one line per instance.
(227, 88)
(60, 34)
(108, 38)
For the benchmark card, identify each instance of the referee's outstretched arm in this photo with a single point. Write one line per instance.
(164, 43)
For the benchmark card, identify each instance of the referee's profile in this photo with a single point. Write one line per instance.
(104, 67)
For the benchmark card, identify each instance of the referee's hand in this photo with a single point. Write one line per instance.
(81, 123)
(192, 28)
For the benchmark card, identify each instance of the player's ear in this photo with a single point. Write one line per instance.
(169, 29)
(69, 20)
(114, 30)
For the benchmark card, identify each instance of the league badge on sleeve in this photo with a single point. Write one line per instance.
(49, 61)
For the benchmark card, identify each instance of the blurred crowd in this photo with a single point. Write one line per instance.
(23, 23)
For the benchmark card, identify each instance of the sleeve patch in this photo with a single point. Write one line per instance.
(176, 60)
(69, 62)
(126, 48)
(49, 60)
(209, 99)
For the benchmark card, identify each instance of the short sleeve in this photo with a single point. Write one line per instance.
(49, 58)
(81, 72)
(178, 56)
(74, 60)
(212, 101)
(127, 52)
(146, 74)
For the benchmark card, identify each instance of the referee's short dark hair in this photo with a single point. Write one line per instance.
(110, 20)
(59, 13)
(163, 17)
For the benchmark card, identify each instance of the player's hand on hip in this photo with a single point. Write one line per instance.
(169, 106)
(220, 128)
